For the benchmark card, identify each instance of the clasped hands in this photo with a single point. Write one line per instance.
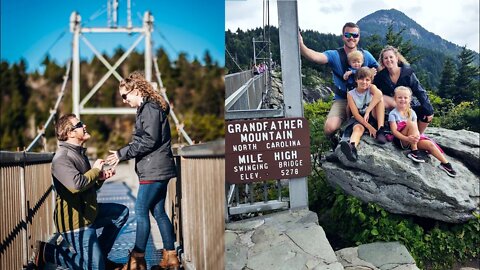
(111, 159)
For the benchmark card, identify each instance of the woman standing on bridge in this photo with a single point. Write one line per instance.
(154, 165)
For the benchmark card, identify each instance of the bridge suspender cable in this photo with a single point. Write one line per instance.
(233, 59)
(172, 113)
(54, 110)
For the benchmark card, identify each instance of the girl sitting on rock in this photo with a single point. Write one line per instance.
(366, 98)
(403, 124)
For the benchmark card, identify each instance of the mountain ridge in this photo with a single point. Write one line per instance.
(378, 22)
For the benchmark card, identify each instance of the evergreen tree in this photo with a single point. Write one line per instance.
(447, 88)
(395, 39)
(14, 96)
(375, 45)
(53, 72)
(467, 73)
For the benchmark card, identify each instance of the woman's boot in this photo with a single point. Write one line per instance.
(136, 261)
(169, 260)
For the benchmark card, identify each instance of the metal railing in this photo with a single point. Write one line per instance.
(26, 205)
(248, 95)
(200, 202)
(257, 197)
(234, 81)
(196, 205)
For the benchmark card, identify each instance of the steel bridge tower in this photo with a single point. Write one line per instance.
(78, 30)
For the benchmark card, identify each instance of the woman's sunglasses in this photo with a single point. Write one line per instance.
(124, 96)
(78, 125)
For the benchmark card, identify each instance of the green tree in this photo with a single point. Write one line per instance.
(467, 74)
(447, 88)
(15, 94)
(375, 45)
(395, 39)
(53, 72)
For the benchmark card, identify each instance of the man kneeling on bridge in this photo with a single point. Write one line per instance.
(78, 215)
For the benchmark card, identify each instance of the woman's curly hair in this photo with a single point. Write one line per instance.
(136, 81)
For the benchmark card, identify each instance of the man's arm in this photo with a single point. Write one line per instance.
(310, 54)
(65, 171)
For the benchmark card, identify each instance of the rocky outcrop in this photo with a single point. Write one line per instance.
(384, 175)
(274, 97)
(377, 256)
(462, 144)
(312, 94)
(284, 240)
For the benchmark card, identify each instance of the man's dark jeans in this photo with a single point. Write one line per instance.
(90, 251)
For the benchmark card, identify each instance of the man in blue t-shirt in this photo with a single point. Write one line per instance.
(350, 37)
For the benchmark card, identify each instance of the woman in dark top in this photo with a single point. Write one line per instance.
(395, 71)
(154, 165)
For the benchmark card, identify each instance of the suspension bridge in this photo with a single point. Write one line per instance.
(28, 197)
(199, 199)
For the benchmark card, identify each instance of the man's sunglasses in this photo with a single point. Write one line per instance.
(78, 125)
(349, 35)
(124, 96)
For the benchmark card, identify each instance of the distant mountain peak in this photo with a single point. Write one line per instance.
(378, 22)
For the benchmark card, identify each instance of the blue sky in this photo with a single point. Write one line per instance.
(30, 28)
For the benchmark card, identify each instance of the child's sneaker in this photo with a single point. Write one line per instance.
(380, 138)
(334, 139)
(349, 150)
(354, 151)
(415, 156)
(447, 167)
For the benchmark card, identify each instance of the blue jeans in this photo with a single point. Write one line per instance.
(151, 199)
(90, 251)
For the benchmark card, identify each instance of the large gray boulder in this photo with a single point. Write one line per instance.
(384, 175)
(462, 144)
(283, 240)
(377, 256)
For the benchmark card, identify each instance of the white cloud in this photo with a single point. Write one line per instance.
(456, 22)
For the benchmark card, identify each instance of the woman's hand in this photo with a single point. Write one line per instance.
(98, 164)
(429, 118)
(112, 159)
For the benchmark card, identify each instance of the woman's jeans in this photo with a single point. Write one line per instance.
(151, 199)
(90, 251)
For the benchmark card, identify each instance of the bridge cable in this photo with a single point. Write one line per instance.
(167, 41)
(172, 113)
(95, 14)
(53, 111)
(65, 29)
(233, 59)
